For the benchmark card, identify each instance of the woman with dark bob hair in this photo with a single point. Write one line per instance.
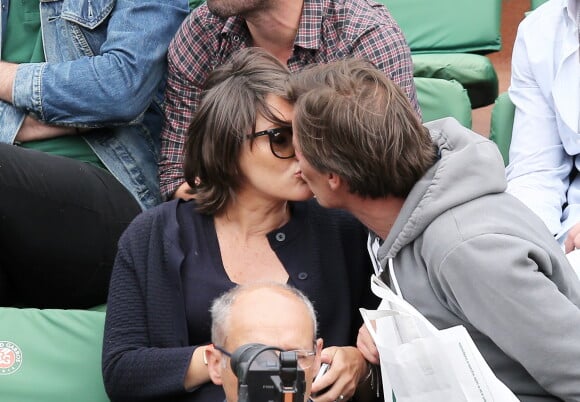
(252, 219)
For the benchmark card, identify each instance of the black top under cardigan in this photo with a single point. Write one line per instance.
(147, 348)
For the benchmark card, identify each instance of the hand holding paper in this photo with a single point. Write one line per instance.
(423, 364)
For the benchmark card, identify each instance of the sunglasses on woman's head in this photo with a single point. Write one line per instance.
(280, 141)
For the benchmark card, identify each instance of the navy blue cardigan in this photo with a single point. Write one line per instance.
(146, 350)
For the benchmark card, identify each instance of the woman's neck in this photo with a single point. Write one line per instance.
(251, 218)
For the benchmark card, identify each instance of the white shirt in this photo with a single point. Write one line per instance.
(545, 87)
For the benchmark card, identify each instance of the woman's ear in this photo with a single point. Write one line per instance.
(334, 181)
(214, 364)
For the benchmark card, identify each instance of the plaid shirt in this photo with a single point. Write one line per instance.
(329, 30)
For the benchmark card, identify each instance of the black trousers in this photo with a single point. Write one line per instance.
(60, 220)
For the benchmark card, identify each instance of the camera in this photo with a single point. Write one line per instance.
(267, 374)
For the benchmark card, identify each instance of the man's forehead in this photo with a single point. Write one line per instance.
(268, 317)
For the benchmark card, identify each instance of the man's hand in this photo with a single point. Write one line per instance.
(572, 241)
(182, 192)
(366, 345)
(7, 75)
(347, 369)
(32, 130)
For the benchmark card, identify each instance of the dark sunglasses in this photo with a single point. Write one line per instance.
(280, 141)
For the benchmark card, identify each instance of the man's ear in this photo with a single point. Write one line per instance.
(214, 364)
(318, 347)
(334, 181)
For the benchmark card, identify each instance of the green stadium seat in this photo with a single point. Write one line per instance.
(536, 3)
(449, 39)
(195, 3)
(502, 123)
(449, 26)
(440, 98)
(51, 355)
(475, 72)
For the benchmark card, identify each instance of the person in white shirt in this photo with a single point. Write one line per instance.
(545, 147)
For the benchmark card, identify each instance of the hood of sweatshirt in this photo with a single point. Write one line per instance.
(469, 166)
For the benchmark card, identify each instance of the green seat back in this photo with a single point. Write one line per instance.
(475, 72)
(536, 3)
(51, 355)
(502, 123)
(440, 98)
(448, 25)
(193, 4)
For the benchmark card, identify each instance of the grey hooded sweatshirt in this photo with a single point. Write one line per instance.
(466, 253)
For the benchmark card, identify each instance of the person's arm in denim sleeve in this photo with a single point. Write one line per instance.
(113, 87)
(16, 125)
(539, 166)
(11, 120)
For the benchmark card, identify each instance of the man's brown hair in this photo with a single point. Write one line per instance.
(353, 121)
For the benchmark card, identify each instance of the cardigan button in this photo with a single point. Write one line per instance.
(280, 236)
(303, 275)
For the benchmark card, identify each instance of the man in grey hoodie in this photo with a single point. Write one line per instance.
(463, 251)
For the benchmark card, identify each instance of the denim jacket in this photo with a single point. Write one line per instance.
(105, 69)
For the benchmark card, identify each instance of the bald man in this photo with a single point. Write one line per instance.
(272, 314)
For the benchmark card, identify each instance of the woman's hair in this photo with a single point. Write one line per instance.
(352, 120)
(234, 95)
